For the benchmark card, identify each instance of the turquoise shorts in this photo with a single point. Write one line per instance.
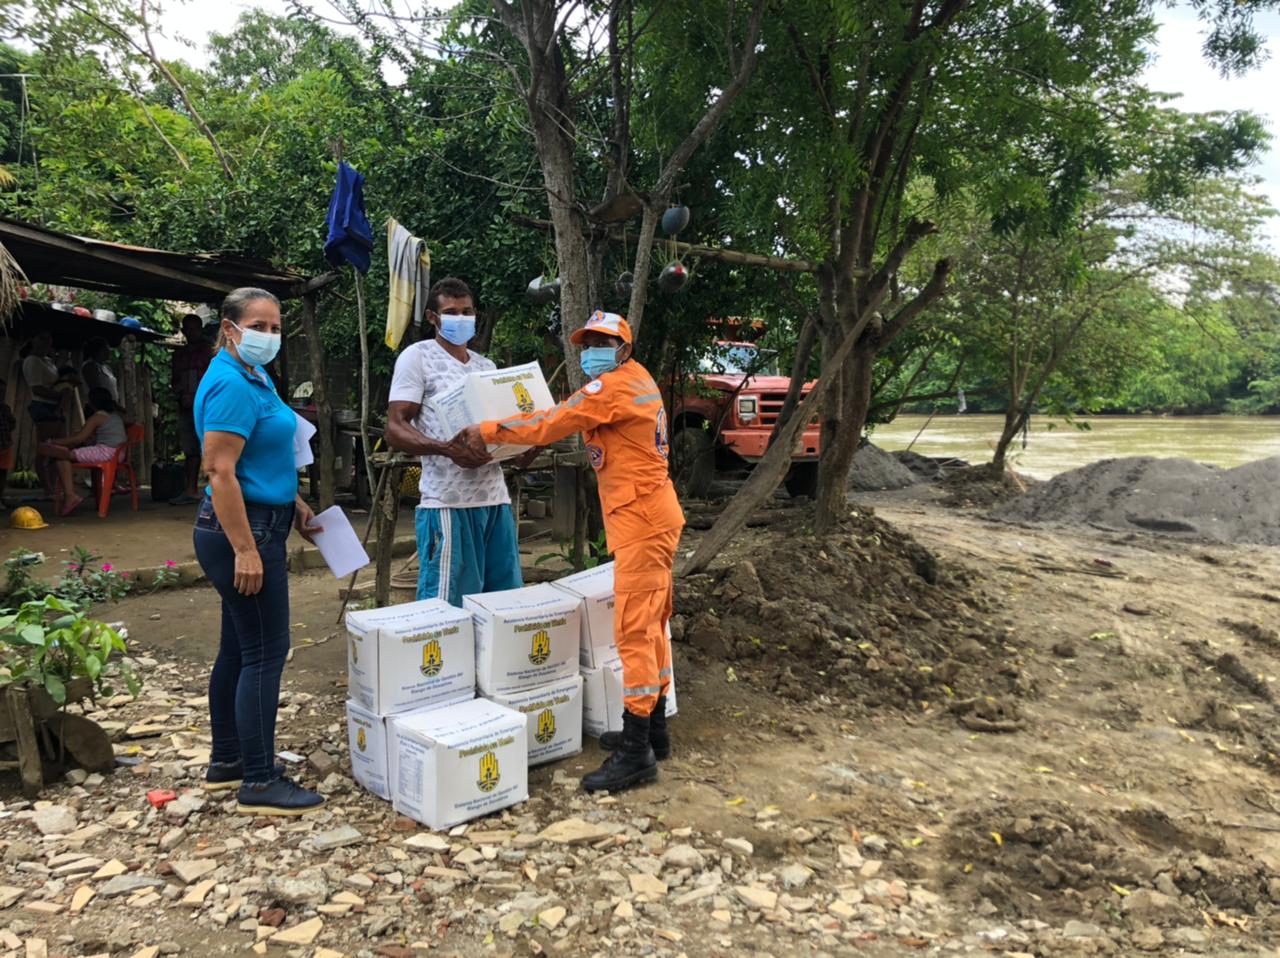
(466, 551)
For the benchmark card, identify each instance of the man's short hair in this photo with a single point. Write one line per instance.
(452, 287)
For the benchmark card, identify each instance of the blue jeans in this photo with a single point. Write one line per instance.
(244, 687)
(466, 551)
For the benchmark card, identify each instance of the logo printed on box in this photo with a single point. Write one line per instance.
(489, 774)
(432, 659)
(546, 727)
(355, 651)
(540, 650)
(524, 402)
(361, 739)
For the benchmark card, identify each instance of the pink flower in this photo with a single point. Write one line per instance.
(170, 564)
(106, 567)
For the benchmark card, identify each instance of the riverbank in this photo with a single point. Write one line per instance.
(1055, 446)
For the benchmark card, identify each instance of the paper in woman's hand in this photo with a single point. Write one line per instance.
(339, 544)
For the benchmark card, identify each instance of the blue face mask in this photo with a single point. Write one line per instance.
(458, 330)
(598, 360)
(256, 347)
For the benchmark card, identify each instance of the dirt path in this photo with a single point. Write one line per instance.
(1131, 814)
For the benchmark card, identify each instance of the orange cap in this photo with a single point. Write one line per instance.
(611, 324)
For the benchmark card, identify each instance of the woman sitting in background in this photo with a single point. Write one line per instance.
(103, 432)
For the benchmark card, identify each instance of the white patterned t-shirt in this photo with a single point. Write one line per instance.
(423, 370)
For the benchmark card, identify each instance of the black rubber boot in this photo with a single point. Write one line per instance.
(632, 763)
(659, 737)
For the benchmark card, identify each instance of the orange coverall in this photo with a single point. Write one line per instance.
(624, 423)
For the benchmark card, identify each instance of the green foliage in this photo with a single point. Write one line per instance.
(597, 552)
(86, 583)
(50, 642)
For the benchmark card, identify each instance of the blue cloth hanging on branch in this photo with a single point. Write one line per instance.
(350, 235)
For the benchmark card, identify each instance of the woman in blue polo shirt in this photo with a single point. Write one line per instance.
(246, 432)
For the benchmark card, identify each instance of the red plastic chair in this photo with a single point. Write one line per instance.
(104, 476)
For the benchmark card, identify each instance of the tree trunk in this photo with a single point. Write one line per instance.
(799, 373)
(840, 445)
(320, 396)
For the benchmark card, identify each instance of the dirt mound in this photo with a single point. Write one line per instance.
(928, 468)
(1048, 859)
(982, 486)
(865, 616)
(1175, 497)
(874, 470)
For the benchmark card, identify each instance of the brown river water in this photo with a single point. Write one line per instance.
(1217, 440)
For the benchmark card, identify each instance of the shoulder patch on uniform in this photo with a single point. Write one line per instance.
(593, 387)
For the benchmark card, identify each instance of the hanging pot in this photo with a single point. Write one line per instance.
(673, 278)
(543, 291)
(675, 219)
(624, 284)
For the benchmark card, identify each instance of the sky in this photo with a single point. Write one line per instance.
(1178, 68)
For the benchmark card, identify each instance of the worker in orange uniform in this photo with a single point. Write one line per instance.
(621, 416)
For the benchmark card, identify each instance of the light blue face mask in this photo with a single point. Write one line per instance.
(598, 360)
(458, 330)
(256, 347)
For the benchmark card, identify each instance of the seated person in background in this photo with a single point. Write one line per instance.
(103, 432)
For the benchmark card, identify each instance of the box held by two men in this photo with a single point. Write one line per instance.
(493, 394)
(450, 765)
(525, 638)
(410, 656)
(554, 714)
(594, 588)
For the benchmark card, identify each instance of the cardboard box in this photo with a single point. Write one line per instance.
(453, 764)
(410, 656)
(594, 588)
(493, 394)
(367, 735)
(525, 638)
(602, 698)
(554, 714)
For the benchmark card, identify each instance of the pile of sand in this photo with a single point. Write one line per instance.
(875, 470)
(1168, 496)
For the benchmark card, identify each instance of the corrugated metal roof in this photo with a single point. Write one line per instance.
(61, 259)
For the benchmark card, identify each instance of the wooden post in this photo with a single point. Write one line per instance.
(29, 762)
(320, 396)
(388, 510)
(131, 395)
(148, 414)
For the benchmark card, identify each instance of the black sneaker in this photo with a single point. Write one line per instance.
(224, 776)
(279, 797)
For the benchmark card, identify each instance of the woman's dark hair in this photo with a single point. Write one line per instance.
(94, 346)
(233, 306)
(101, 400)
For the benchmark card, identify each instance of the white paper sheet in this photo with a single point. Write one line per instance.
(302, 433)
(339, 544)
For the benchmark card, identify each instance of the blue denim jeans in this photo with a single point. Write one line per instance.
(244, 687)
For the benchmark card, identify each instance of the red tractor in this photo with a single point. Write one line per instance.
(723, 416)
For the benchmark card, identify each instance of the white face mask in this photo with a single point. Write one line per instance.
(256, 347)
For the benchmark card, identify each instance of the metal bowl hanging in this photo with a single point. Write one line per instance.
(673, 278)
(675, 219)
(543, 291)
(624, 284)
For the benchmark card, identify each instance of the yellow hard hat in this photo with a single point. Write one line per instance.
(24, 517)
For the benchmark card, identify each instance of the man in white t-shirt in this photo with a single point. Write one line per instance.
(466, 532)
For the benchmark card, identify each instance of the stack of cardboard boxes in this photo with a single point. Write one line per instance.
(418, 735)
(527, 660)
(598, 658)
